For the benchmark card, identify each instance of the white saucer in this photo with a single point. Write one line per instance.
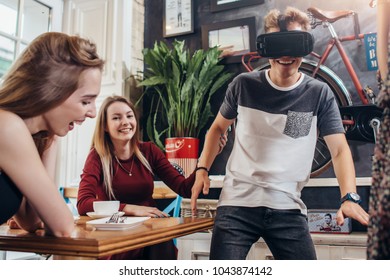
(94, 215)
(127, 223)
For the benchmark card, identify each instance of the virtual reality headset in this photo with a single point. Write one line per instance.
(285, 43)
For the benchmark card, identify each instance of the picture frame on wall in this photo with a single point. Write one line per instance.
(220, 5)
(234, 37)
(178, 17)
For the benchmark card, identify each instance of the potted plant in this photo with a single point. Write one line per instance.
(180, 86)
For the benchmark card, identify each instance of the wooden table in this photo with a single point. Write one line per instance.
(88, 243)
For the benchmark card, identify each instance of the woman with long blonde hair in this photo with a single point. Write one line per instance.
(121, 167)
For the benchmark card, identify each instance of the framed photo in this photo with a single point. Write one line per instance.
(220, 5)
(178, 17)
(234, 37)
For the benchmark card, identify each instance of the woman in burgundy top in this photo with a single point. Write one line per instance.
(120, 167)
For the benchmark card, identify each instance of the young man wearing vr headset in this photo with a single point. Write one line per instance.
(279, 114)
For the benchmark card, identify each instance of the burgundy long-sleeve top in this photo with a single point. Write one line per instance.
(136, 189)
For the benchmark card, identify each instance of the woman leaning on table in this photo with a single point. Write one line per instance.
(51, 87)
(120, 167)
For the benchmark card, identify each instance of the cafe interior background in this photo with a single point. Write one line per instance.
(123, 28)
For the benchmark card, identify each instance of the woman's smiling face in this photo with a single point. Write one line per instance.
(121, 122)
(79, 106)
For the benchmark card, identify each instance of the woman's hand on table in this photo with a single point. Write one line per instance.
(143, 211)
(14, 225)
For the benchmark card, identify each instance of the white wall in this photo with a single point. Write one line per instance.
(109, 23)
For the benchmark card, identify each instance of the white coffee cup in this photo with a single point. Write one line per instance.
(106, 207)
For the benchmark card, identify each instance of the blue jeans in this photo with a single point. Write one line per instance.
(286, 233)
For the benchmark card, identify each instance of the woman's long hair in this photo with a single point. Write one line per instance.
(45, 75)
(102, 143)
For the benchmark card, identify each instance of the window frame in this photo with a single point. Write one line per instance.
(55, 23)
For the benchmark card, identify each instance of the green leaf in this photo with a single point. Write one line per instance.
(153, 81)
(183, 84)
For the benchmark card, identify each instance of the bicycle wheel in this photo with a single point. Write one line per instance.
(322, 158)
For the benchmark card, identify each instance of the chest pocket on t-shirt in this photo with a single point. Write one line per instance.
(298, 124)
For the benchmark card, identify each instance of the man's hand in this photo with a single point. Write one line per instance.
(352, 210)
(202, 183)
(222, 141)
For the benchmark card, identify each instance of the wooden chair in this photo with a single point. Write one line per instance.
(70, 197)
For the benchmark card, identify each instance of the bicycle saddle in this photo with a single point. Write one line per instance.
(329, 16)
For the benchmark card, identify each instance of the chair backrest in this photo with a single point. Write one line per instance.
(70, 197)
(163, 192)
(174, 206)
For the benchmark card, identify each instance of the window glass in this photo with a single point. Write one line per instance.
(7, 54)
(35, 19)
(8, 16)
(22, 47)
(20, 23)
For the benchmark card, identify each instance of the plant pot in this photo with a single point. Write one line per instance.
(182, 152)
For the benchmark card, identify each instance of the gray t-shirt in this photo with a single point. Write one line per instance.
(276, 135)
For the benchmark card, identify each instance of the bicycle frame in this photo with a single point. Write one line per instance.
(337, 41)
(361, 121)
(320, 59)
(247, 59)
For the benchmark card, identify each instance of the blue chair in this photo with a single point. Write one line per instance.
(174, 207)
(70, 199)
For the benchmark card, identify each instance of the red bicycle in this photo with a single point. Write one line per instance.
(360, 121)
